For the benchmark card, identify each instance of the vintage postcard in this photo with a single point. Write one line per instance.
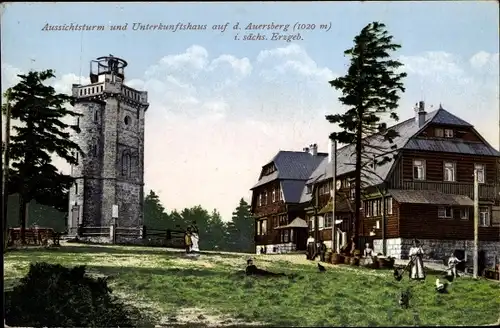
(284, 164)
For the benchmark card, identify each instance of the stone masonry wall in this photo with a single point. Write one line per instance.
(438, 249)
(104, 136)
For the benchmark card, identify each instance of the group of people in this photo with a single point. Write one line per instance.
(315, 249)
(416, 264)
(192, 238)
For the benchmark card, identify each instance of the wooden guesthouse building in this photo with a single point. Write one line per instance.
(426, 192)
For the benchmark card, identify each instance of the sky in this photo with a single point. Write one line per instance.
(221, 108)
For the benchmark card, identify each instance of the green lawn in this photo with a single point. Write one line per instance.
(210, 289)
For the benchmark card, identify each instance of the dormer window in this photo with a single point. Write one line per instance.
(448, 133)
(439, 133)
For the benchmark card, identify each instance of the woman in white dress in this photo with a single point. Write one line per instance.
(195, 237)
(417, 262)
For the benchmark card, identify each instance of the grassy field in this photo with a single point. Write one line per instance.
(210, 289)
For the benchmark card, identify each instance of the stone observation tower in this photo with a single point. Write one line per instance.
(109, 178)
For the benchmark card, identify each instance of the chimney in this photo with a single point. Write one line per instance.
(420, 116)
(313, 149)
(330, 150)
(305, 149)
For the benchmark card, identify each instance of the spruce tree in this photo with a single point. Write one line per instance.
(40, 134)
(370, 92)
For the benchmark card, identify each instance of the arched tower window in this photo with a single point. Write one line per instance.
(126, 164)
(96, 116)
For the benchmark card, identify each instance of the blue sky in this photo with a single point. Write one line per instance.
(221, 108)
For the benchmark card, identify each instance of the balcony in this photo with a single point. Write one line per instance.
(486, 191)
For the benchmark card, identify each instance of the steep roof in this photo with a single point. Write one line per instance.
(293, 168)
(291, 165)
(408, 130)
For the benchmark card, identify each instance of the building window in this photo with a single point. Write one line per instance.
(308, 189)
(449, 172)
(484, 217)
(273, 195)
(76, 188)
(284, 236)
(445, 212)
(96, 116)
(275, 220)
(313, 226)
(321, 221)
(264, 197)
(448, 133)
(126, 164)
(126, 120)
(464, 214)
(418, 170)
(439, 133)
(260, 199)
(328, 220)
(352, 193)
(480, 172)
(388, 205)
(262, 227)
(78, 122)
(280, 195)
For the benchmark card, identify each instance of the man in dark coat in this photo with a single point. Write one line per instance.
(252, 270)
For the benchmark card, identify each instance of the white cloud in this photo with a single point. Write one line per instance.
(436, 66)
(483, 59)
(213, 122)
(293, 59)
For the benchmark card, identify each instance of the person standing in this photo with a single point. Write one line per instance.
(417, 271)
(368, 254)
(322, 251)
(187, 240)
(452, 265)
(195, 237)
(310, 247)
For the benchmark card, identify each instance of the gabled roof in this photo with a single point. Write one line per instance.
(444, 117)
(292, 165)
(408, 130)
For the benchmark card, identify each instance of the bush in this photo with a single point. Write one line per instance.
(51, 295)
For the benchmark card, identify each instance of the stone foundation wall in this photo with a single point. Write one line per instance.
(438, 249)
(276, 248)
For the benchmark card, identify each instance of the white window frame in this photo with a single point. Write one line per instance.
(263, 227)
(484, 217)
(273, 195)
(439, 132)
(328, 220)
(419, 164)
(352, 193)
(448, 133)
(464, 213)
(260, 199)
(321, 222)
(442, 212)
(388, 205)
(446, 168)
(481, 172)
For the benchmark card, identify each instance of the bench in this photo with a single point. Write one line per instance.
(34, 236)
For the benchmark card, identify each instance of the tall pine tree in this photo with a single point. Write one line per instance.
(40, 134)
(155, 216)
(240, 230)
(369, 91)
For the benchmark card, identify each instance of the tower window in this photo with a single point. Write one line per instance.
(78, 122)
(96, 115)
(76, 188)
(127, 120)
(126, 164)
